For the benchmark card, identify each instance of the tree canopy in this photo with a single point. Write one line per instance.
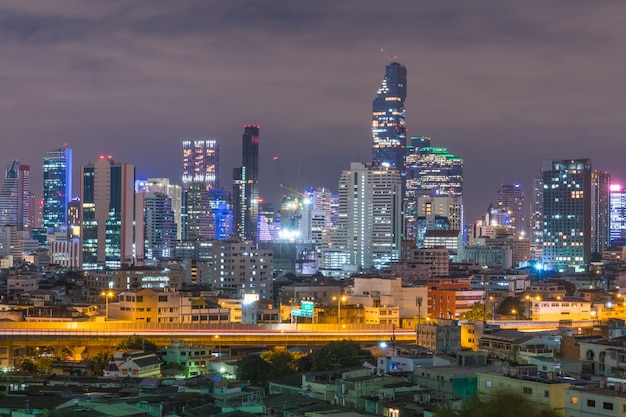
(479, 312)
(339, 354)
(137, 343)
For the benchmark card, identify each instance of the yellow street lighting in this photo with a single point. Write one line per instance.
(107, 294)
(339, 300)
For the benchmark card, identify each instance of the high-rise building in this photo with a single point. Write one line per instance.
(200, 174)
(600, 208)
(201, 163)
(159, 225)
(510, 200)
(174, 192)
(618, 215)
(429, 171)
(246, 186)
(109, 223)
(57, 187)
(436, 212)
(388, 119)
(370, 204)
(567, 213)
(536, 207)
(15, 197)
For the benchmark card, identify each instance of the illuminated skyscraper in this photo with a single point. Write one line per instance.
(370, 203)
(200, 174)
(108, 237)
(15, 197)
(57, 187)
(510, 200)
(618, 215)
(429, 172)
(388, 119)
(600, 208)
(246, 186)
(159, 225)
(174, 192)
(536, 217)
(567, 213)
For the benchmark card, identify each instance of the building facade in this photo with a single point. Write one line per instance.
(567, 213)
(388, 119)
(370, 206)
(57, 187)
(15, 197)
(246, 186)
(108, 215)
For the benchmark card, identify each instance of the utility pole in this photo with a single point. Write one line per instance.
(419, 320)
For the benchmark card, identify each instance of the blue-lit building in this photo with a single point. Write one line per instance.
(430, 172)
(388, 119)
(618, 215)
(57, 187)
(159, 225)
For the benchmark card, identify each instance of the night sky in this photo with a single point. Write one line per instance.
(505, 85)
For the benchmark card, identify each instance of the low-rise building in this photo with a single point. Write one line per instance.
(603, 400)
(543, 389)
(193, 358)
(137, 364)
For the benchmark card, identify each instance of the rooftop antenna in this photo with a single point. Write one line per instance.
(395, 58)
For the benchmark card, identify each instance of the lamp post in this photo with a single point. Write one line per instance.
(106, 295)
(514, 311)
(339, 300)
(530, 312)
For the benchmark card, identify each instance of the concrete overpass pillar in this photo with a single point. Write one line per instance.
(77, 352)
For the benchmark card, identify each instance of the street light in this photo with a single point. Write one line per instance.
(514, 311)
(107, 295)
(339, 300)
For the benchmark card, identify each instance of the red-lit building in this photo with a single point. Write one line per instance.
(450, 296)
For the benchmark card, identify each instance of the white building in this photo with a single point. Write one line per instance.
(370, 205)
(385, 292)
(240, 268)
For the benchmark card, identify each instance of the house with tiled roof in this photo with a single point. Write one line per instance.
(136, 364)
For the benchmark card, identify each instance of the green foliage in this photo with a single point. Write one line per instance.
(137, 343)
(100, 361)
(255, 369)
(44, 365)
(340, 354)
(28, 365)
(502, 404)
(479, 312)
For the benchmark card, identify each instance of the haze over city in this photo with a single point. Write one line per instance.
(502, 85)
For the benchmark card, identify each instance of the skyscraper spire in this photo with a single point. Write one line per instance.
(388, 119)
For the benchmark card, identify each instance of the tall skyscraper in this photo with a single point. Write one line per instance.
(159, 225)
(567, 213)
(388, 119)
(618, 215)
(510, 200)
(174, 192)
(246, 186)
(436, 212)
(430, 171)
(201, 163)
(536, 207)
(370, 204)
(15, 197)
(57, 187)
(108, 215)
(200, 174)
(600, 208)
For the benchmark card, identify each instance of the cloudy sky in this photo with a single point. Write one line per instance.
(505, 85)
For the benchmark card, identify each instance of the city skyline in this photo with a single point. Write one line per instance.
(503, 86)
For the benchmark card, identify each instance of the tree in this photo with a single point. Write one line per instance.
(284, 362)
(27, 365)
(255, 369)
(137, 343)
(100, 361)
(339, 354)
(44, 365)
(479, 312)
